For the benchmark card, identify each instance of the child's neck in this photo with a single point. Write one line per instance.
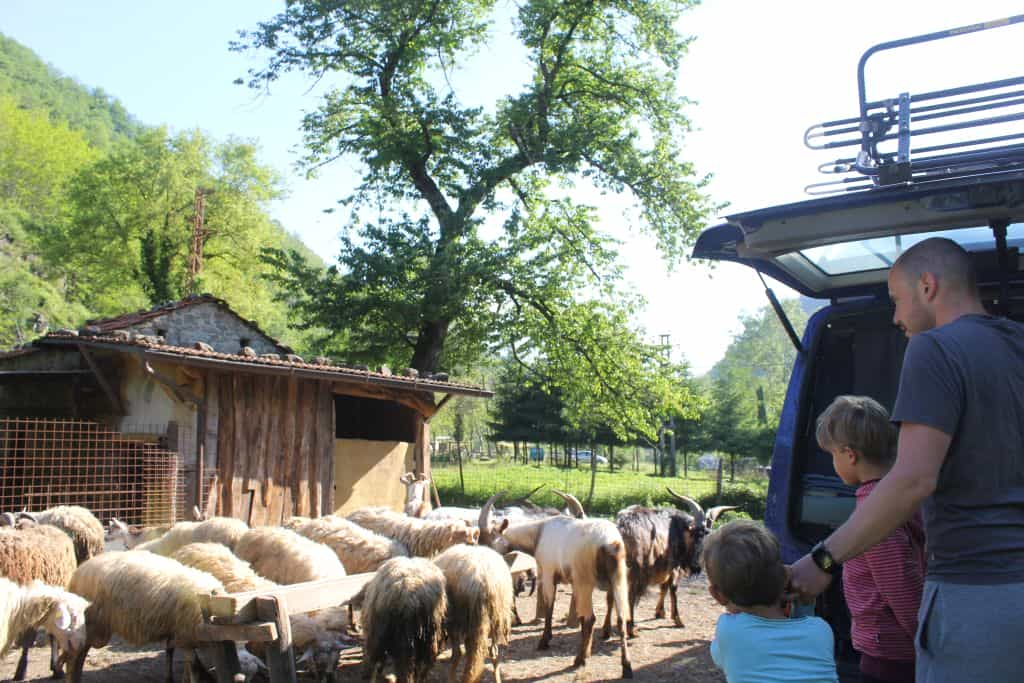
(764, 611)
(868, 472)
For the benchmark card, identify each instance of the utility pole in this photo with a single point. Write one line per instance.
(670, 422)
(199, 235)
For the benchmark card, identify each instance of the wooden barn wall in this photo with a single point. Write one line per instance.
(275, 438)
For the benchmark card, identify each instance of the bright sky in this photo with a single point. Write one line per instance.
(759, 72)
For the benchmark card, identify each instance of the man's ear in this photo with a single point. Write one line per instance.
(928, 285)
(717, 595)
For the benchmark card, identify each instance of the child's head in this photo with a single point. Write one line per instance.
(743, 564)
(857, 432)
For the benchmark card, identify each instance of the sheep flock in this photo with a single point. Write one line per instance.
(440, 583)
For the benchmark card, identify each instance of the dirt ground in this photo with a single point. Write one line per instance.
(661, 652)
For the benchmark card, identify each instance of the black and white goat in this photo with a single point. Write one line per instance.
(661, 543)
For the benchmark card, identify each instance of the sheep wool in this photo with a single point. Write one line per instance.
(141, 597)
(217, 560)
(224, 530)
(423, 538)
(38, 552)
(479, 589)
(33, 606)
(360, 550)
(403, 617)
(80, 524)
(285, 557)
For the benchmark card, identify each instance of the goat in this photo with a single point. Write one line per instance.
(588, 553)
(417, 494)
(661, 544)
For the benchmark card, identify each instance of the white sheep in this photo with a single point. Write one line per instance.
(360, 550)
(25, 609)
(283, 556)
(77, 522)
(143, 598)
(423, 538)
(404, 609)
(32, 552)
(224, 530)
(479, 589)
(589, 554)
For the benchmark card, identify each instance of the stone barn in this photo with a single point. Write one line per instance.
(258, 432)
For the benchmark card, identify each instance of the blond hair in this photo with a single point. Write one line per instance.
(861, 424)
(742, 560)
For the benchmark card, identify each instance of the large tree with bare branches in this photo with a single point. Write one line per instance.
(468, 232)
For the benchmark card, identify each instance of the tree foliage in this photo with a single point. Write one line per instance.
(464, 236)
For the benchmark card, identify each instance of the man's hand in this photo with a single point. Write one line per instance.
(806, 581)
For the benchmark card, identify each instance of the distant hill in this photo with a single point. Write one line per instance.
(34, 84)
(95, 209)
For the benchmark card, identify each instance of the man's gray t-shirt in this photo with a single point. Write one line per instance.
(966, 379)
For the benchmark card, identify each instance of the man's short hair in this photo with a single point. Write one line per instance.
(742, 560)
(945, 259)
(861, 424)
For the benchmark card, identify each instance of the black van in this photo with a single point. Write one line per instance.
(895, 191)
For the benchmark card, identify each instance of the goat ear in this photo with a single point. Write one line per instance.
(504, 525)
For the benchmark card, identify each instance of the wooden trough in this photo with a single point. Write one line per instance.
(263, 616)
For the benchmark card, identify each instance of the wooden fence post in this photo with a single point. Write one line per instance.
(718, 482)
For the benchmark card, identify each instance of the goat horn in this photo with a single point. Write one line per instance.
(527, 496)
(690, 503)
(484, 522)
(575, 507)
(27, 515)
(7, 519)
(713, 513)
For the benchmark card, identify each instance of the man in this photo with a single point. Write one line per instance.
(960, 458)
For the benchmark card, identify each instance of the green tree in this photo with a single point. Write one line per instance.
(461, 221)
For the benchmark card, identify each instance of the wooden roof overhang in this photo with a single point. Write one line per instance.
(411, 392)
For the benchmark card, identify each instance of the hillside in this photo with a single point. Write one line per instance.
(97, 209)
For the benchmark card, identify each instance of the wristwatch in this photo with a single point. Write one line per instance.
(823, 558)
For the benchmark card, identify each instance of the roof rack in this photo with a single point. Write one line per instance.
(984, 109)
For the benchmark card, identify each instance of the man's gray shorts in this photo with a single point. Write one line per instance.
(970, 633)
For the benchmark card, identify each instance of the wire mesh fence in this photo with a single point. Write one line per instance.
(46, 462)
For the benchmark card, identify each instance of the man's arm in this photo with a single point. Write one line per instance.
(920, 454)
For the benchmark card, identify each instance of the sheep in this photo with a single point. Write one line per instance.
(660, 545)
(224, 530)
(143, 598)
(417, 494)
(133, 534)
(479, 590)
(360, 550)
(588, 553)
(33, 552)
(423, 538)
(77, 522)
(404, 610)
(26, 608)
(523, 570)
(285, 557)
(309, 633)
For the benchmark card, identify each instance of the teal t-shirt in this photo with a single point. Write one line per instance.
(752, 649)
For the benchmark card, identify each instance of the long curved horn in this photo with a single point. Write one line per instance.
(527, 496)
(698, 511)
(8, 519)
(713, 513)
(575, 507)
(27, 515)
(484, 523)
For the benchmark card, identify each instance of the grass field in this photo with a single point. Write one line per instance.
(612, 490)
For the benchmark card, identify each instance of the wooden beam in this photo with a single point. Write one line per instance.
(280, 657)
(264, 632)
(420, 402)
(112, 396)
(301, 597)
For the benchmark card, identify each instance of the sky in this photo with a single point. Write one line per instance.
(759, 74)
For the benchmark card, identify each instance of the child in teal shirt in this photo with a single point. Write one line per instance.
(754, 641)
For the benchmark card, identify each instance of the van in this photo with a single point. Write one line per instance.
(901, 186)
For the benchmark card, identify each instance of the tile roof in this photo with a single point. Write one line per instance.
(323, 368)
